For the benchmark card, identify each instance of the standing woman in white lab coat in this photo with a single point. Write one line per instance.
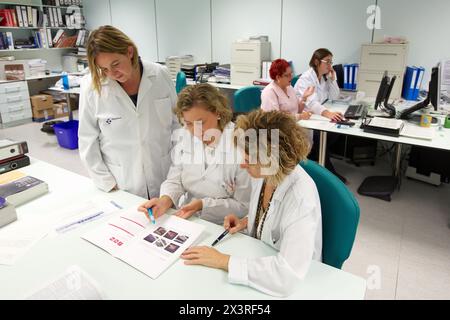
(205, 177)
(322, 77)
(284, 210)
(126, 119)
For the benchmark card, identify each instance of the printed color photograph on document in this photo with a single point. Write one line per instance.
(150, 248)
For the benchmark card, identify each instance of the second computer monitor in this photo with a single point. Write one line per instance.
(382, 90)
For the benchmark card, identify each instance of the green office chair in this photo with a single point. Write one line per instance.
(181, 81)
(247, 99)
(294, 80)
(340, 214)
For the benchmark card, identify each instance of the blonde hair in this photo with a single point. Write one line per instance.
(209, 97)
(293, 144)
(108, 39)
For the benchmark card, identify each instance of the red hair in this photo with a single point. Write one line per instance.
(278, 67)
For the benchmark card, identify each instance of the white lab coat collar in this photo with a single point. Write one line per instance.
(194, 148)
(111, 87)
(277, 198)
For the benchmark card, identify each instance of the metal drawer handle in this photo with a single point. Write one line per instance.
(14, 99)
(247, 50)
(382, 54)
(248, 72)
(15, 109)
(9, 90)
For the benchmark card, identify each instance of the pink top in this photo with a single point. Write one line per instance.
(274, 98)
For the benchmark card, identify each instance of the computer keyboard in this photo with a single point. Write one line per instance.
(356, 111)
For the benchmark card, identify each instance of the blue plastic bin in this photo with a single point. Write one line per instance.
(67, 134)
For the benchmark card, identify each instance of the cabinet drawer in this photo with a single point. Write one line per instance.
(384, 57)
(250, 53)
(244, 75)
(16, 116)
(16, 106)
(369, 82)
(8, 98)
(13, 87)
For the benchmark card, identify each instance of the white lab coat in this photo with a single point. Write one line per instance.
(324, 90)
(223, 186)
(124, 144)
(293, 227)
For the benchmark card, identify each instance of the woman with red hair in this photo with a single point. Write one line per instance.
(279, 95)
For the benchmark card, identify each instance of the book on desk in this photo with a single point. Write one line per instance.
(18, 188)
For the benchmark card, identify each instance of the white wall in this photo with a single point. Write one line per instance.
(295, 27)
(340, 26)
(97, 13)
(137, 19)
(238, 19)
(184, 28)
(426, 24)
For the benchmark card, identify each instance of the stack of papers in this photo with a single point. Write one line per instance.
(414, 131)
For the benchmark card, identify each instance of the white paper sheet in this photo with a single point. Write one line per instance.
(17, 238)
(74, 284)
(80, 214)
(147, 247)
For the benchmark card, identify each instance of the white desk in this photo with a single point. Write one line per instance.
(53, 256)
(440, 141)
(219, 85)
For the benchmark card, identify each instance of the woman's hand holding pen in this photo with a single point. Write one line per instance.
(158, 205)
(233, 224)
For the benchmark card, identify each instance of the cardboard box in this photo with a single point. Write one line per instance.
(41, 102)
(43, 114)
(60, 110)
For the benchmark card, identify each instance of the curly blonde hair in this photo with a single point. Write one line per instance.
(108, 39)
(293, 144)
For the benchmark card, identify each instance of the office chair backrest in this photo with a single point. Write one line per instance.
(340, 214)
(295, 79)
(339, 68)
(181, 81)
(247, 99)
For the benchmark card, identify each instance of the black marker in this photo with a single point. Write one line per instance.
(220, 238)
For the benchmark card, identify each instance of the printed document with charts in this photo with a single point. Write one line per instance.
(150, 248)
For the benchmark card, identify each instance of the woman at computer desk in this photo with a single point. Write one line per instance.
(322, 77)
(280, 95)
(284, 210)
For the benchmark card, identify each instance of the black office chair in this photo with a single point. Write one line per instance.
(339, 68)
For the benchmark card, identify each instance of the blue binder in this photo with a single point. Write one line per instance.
(346, 77)
(355, 68)
(409, 83)
(418, 84)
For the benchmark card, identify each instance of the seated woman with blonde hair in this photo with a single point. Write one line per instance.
(284, 210)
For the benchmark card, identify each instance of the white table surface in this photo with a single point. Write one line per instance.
(53, 255)
(441, 138)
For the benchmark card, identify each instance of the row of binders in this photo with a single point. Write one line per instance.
(31, 17)
(43, 39)
(412, 82)
(62, 3)
(21, 16)
(350, 76)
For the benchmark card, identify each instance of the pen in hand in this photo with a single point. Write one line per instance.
(151, 216)
(220, 237)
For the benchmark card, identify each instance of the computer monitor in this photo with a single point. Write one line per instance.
(433, 97)
(382, 90)
(389, 107)
(434, 89)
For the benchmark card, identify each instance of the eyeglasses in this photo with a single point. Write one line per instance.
(287, 75)
(327, 62)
